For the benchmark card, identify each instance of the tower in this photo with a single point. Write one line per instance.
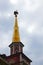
(17, 57)
(16, 46)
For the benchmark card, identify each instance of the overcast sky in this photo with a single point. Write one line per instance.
(30, 20)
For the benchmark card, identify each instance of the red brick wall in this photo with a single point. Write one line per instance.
(13, 59)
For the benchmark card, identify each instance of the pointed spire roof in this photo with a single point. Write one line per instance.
(16, 37)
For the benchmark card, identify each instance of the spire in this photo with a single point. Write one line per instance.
(16, 37)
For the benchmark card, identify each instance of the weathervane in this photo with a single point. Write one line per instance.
(15, 13)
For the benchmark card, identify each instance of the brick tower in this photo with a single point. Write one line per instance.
(17, 57)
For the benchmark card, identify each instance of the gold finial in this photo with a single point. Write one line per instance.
(16, 37)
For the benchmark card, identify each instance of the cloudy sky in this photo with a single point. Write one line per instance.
(30, 21)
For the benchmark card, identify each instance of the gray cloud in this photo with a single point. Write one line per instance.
(28, 18)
